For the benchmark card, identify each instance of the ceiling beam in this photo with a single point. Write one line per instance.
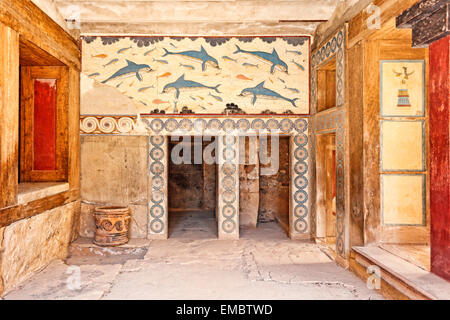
(198, 28)
(113, 11)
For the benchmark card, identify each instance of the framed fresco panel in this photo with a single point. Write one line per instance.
(403, 201)
(402, 88)
(402, 145)
(202, 75)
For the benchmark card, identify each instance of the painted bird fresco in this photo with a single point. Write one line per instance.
(404, 75)
(182, 84)
(261, 91)
(270, 58)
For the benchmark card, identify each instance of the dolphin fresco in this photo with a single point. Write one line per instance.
(201, 55)
(259, 90)
(271, 58)
(129, 70)
(181, 83)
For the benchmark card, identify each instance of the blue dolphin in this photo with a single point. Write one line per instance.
(131, 68)
(259, 90)
(201, 55)
(272, 58)
(181, 83)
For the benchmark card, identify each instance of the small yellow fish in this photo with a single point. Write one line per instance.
(131, 84)
(242, 77)
(271, 80)
(102, 56)
(158, 101)
(165, 75)
(201, 98)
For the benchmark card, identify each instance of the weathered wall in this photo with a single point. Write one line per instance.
(29, 245)
(114, 172)
(440, 157)
(36, 232)
(249, 182)
(344, 11)
(49, 7)
(191, 186)
(274, 187)
(200, 17)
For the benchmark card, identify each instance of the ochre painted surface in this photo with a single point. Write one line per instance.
(402, 199)
(440, 157)
(402, 88)
(158, 72)
(402, 145)
(44, 129)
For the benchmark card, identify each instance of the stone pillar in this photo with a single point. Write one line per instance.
(228, 187)
(248, 181)
(157, 187)
(440, 157)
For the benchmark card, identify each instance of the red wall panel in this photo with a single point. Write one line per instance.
(44, 125)
(440, 157)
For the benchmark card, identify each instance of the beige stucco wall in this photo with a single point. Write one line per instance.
(30, 244)
(49, 7)
(114, 172)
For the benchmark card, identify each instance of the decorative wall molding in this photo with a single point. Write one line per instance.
(335, 47)
(158, 174)
(96, 124)
(228, 130)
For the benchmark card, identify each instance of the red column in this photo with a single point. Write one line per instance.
(439, 83)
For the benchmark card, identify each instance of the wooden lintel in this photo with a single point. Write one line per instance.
(432, 28)
(429, 21)
(419, 11)
(32, 24)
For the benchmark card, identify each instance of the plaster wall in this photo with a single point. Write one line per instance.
(114, 172)
(50, 8)
(31, 244)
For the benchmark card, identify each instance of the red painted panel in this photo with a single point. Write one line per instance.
(440, 157)
(44, 130)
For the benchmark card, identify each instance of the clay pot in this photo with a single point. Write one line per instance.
(111, 226)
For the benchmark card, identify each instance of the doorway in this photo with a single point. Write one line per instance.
(326, 190)
(191, 189)
(264, 183)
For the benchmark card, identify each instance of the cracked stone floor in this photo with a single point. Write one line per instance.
(193, 264)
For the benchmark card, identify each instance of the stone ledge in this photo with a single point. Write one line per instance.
(404, 276)
(31, 191)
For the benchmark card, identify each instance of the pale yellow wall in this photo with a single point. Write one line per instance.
(403, 199)
(402, 146)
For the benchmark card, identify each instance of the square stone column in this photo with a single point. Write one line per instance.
(157, 187)
(228, 186)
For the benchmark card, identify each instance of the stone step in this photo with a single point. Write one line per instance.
(84, 251)
(400, 279)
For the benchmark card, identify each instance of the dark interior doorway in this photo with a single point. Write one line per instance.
(191, 190)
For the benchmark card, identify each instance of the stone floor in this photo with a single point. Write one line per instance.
(193, 264)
